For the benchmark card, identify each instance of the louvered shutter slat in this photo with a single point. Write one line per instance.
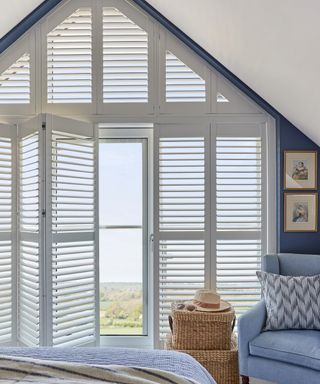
(15, 82)
(239, 210)
(69, 59)
(125, 59)
(182, 83)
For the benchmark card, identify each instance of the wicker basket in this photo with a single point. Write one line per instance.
(222, 365)
(202, 330)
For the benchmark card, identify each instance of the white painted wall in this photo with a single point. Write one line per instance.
(271, 45)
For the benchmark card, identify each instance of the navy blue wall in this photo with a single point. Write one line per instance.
(290, 137)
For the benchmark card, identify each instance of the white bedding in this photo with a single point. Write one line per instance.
(20, 370)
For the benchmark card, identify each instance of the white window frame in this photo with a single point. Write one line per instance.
(140, 341)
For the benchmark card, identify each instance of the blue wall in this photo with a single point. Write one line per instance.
(290, 137)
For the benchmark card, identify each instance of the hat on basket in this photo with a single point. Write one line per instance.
(207, 300)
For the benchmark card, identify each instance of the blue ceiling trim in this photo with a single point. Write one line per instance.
(48, 5)
(27, 23)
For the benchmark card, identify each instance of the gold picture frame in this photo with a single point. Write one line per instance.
(300, 170)
(301, 212)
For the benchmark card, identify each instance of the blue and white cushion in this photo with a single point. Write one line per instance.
(292, 302)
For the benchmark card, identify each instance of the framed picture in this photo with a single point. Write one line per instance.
(301, 212)
(300, 169)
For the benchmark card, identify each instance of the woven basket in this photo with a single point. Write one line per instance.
(201, 330)
(222, 365)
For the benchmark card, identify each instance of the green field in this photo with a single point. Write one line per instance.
(121, 309)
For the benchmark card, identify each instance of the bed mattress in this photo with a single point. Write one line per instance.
(176, 362)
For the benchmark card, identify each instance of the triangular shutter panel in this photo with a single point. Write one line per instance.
(125, 59)
(182, 83)
(7, 228)
(29, 294)
(231, 100)
(69, 59)
(72, 221)
(15, 82)
(221, 98)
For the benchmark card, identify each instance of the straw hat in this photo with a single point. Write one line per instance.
(206, 300)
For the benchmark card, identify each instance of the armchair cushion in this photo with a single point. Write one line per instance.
(293, 302)
(298, 347)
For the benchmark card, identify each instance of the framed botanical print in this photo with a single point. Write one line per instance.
(301, 212)
(300, 169)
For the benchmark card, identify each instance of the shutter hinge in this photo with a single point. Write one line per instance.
(43, 213)
(43, 126)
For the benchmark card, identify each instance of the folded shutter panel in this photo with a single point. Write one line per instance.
(239, 215)
(69, 59)
(7, 233)
(181, 219)
(72, 221)
(30, 232)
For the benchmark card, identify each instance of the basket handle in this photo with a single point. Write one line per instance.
(233, 323)
(170, 323)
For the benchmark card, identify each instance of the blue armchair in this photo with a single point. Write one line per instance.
(284, 357)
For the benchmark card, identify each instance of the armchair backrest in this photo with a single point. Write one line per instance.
(292, 264)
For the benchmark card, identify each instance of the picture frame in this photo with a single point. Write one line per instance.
(300, 169)
(301, 212)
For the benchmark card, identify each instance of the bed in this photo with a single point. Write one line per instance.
(169, 361)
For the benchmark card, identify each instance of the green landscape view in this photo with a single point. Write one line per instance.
(121, 308)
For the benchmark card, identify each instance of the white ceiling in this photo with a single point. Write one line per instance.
(271, 45)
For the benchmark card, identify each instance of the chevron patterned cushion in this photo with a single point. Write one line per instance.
(292, 302)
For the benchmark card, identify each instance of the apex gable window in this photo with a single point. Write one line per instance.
(153, 178)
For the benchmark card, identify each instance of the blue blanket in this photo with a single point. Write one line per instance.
(170, 361)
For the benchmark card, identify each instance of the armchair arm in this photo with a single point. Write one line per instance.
(250, 325)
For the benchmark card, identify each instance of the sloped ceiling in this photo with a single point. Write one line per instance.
(272, 45)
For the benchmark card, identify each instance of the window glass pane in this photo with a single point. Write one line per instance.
(120, 183)
(121, 238)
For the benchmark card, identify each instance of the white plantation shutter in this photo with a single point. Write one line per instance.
(72, 225)
(125, 59)
(15, 82)
(181, 217)
(30, 232)
(69, 59)
(239, 214)
(7, 233)
(182, 83)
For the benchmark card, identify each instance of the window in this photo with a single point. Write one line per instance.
(124, 186)
(122, 247)
(90, 248)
